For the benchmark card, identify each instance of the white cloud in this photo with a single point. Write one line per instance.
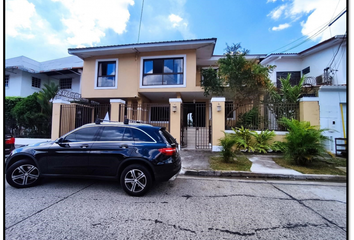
(88, 20)
(281, 27)
(175, 20)
(20, 16)
(85, 21)
(320, 14)
(277, 12)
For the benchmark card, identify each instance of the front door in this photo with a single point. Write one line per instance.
(195, 132)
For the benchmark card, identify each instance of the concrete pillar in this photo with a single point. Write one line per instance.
(56, 115)
(310, 110)
(218, 122)
(175, 118)
(117, 114)
(139, 111)
(130, 110)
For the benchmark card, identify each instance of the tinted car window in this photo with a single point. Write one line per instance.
(112, 134)
(140, 136)
(82, 135)
(168, 136)
(128, 135)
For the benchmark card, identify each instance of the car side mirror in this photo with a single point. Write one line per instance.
(61, 142)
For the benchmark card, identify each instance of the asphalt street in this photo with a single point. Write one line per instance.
(186, 208)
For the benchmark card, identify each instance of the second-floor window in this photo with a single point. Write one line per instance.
(106, 73)
(294, 79)
(163, 71)
(36, 82)
(65, 83)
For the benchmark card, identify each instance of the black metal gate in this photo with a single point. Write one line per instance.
(195, 126)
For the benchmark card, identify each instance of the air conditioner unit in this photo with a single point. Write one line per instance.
(319, 80)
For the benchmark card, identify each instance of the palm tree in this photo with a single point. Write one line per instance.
(45, 95)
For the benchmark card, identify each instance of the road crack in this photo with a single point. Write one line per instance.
(170, 225)
(288, 226)
(301, 203)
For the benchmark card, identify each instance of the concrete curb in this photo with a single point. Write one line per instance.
(240, 174)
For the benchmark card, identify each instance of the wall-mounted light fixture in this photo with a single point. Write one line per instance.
(174, 108)
(218, 108)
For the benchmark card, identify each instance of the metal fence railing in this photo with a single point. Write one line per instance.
(259, 117)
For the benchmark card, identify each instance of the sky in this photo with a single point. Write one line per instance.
(45, 29)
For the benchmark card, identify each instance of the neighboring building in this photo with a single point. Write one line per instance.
(24, 76)
(325, 68)
(322, 64)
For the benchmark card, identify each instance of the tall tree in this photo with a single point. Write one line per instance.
(244, 79)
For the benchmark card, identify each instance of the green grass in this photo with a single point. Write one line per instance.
(320, 166)
(240, 163)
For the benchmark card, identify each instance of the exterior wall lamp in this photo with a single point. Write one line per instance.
(218, 108)
(174, 108)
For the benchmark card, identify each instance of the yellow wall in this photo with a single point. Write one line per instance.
(129, 75)
(310, 112)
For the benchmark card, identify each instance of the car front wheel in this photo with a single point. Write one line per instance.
(136, 180)
(23, 173)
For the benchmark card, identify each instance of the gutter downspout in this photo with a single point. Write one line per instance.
(341, 110)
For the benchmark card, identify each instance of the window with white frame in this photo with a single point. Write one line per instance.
(106, 73)
(36, 82)
(7, 78)
(163, 71)
(65, 83)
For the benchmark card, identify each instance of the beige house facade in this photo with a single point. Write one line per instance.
(156, 83)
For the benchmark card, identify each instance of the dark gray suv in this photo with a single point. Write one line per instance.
(134, 154)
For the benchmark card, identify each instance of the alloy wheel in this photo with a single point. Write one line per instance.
(135, 180)
(25, 174)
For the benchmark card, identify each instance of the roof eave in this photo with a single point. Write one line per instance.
(143, 47)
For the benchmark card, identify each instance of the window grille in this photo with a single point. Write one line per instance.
(36, 82)
(65, 83)
(7, 78)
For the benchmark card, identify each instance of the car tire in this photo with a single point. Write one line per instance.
(136, 180)
(22, 174)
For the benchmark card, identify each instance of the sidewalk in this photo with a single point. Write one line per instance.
(196, 163)
(28, 141)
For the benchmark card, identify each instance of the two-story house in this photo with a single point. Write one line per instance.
(146, 77)
(24, 76)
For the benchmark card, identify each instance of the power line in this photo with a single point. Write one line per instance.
(141, 17)
(321, 29)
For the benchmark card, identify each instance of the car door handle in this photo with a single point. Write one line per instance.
(84, 146)
(124, 146)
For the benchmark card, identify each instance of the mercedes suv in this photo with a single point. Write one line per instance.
(134, 154)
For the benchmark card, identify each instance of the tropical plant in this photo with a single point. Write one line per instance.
(9, 118)
(227, 143)
(243, 139)
(278, 146)
(304, 143)
(250, 119)
(45, 96)
(287, 93)
(262, 140)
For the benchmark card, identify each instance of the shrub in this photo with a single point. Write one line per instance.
(243, 139)
(262, 139)
(227, 143)
(278, 146)
(304, 142)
